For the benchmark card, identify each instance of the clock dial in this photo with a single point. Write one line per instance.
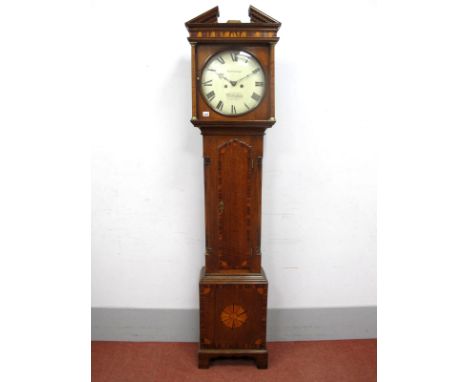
(233, 82)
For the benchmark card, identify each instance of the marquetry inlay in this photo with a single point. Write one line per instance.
(233, 316)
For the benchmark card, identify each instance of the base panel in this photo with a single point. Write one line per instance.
(260, 357)
(233, 310)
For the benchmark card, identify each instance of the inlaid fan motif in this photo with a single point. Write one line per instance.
(233, 316)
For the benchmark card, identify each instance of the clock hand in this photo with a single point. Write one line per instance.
(248, 75)
(243, 78)
(233, 83)
(221, 75)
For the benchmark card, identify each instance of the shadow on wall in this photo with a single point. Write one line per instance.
(182, 170)
(182, 325)
(176, 98)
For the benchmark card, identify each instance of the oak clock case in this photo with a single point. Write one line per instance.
(233, 105)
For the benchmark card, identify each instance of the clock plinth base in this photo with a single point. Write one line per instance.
(233, 311)
(260, 357)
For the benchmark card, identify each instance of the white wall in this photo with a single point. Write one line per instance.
(319, 196)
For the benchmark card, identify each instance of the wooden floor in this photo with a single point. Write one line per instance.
(317, 361)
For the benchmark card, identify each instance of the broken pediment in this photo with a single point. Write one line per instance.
(205, 27)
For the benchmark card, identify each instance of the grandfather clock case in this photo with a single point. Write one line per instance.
(233, 103)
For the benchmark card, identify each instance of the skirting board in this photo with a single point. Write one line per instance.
(120, 324)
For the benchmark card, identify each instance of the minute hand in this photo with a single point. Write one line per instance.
(248, 75)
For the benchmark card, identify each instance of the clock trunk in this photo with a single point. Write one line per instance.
(233, 174)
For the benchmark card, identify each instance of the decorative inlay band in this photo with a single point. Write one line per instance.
(233, 316)
(205, 290)
(260, 290)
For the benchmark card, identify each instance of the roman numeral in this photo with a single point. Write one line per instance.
(247, 106)
(256, 97)
(212, 70)
(208, 83)
(220, 59)
(256, 70)
(234, 56)
(210, 95)
(259, 83)
(233, 109)
(220, 105)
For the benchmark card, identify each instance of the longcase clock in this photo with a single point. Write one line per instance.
(233, 104)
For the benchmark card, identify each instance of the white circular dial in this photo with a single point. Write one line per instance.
(233, 82)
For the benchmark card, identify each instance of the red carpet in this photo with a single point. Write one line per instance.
(317, 361)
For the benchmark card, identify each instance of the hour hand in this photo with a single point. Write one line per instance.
(221, 75)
